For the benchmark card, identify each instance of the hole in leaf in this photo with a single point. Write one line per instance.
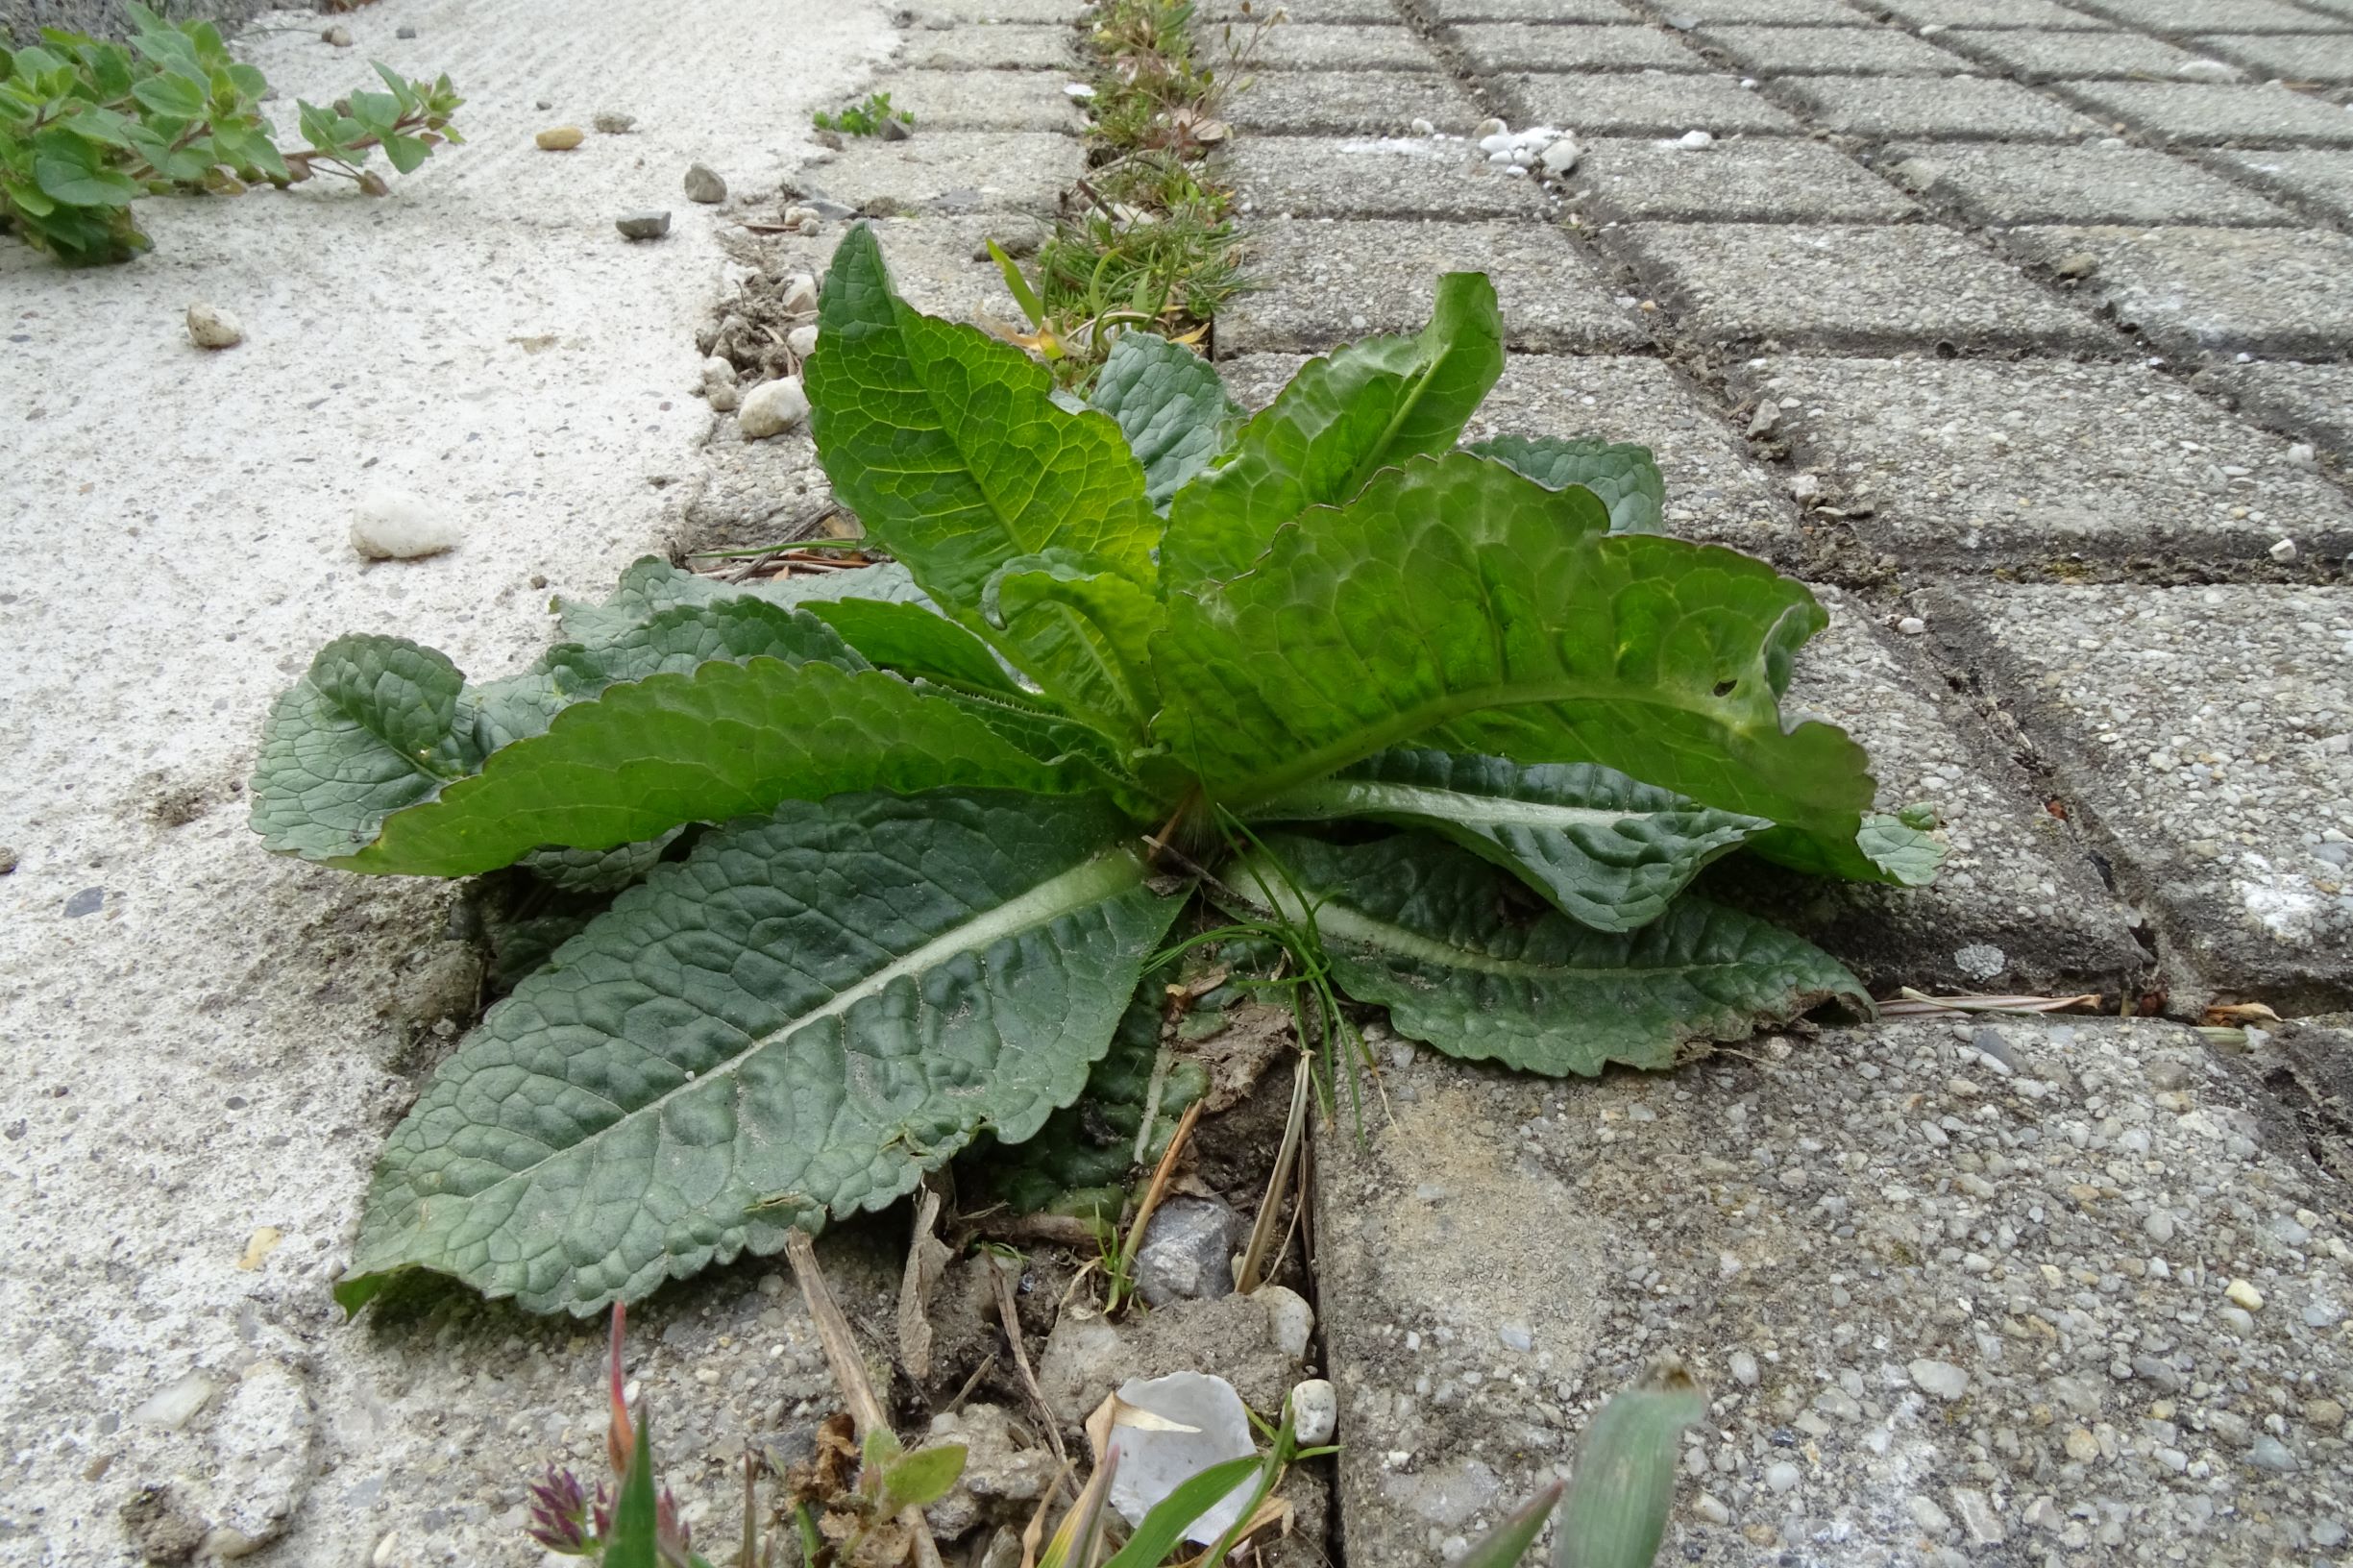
(1723, 688)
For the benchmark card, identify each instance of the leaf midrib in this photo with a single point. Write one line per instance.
(1346, 796)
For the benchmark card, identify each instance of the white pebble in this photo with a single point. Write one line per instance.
(1942, 1379)
(1423, 128)
(2302, 456)
(1783, 1477)
(1744, 1369)
(2245, 1295)
(1911, 626)
(1289, 1320)
(1560, 157)
(802, 341)
(1692, 141)
(1806, 487)
(772, 408)
(1491, 128)
(210, 327)
(799, 294)
(399, 526)
(1315, 1412)
(2283, 550)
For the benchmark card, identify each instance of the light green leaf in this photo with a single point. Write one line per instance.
(1624, 1485)
(798, 1019)
(1909, 855)
(170, 94)
(1163, 1526)
(921, 1478)
(1170, 404)
(1609, 852)
(407, 152)
(634, 1541)
(917, 640)
(1457, 605)
(72, 171)
(1083, 631)
(1372, 405)
(1624, 477)
(1425, 929)
(947, 445)
(1504, 1546)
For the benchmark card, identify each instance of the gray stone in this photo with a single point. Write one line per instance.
(2205, 15)
(1002, 1477)
(1845, 287)
(1522, 46)
(998, 48)
(2047, 15)
(1959, 108)
(1351, 103)
(1945, 1380)
(1743, 181)
(1294, 46)
(1315, 1412)
(703, 184)
(1361, 177)
(2203, 733)
(2191, 291)
(1992, 183)
(2321, 180)
(956, 172)
(1866, 1268)
(2050, 466)
(1087, 1357)
(772, 408)
(647, 224)
(1188, 1251)
(2313, 402)
(1640, 103)
(1834, 51)
(985, 101)
(1327, 283)
(2199, 114)
(2291, 57)
(2032, 54)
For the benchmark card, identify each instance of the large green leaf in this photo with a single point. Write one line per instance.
(1624, 477)
(1084, 631)
(917, 640)
(1458, 605)
(1427, 931)
(1617, 1508)
(1372, 405)
(1608, 850)
(948, 444)
(1170, 404)
(799, 1018)
(650, 585)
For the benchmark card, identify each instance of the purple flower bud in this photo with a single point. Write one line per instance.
(559, 1510)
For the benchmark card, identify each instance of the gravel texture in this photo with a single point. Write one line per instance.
(931, 12)
(1352, 103)
(1749, 180)
(2200, 115)
(1963, 108)
(1317, 13)
(2294, 57)
(1845, 287)
(1834, 51)
(2207, 15)
(2193, 291)
(2032, 54)
(1367, 176)
(2047, 465)
(1640, 103)
(985, 101)
(1009, 47)
(1915, 1267)
(1767, 12)
(2047, 15)
(2101, 183)
(1522, 46)
(2311, 403)
(2204, 732)
(951, 172)
(1328, 283)
(1314, 46)
(2321, 180)
(1529, 11)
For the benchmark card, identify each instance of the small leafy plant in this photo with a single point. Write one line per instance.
(88, 126)
(864, 119)
(1452, 713)
(1622, 1491)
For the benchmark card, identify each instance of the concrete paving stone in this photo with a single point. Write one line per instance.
(984, 99)
(2047, 15)
(1448, 11)
(1001, 48)
(1823, 1229)
(1834, 51)
(2104, 182)
(1352, 103)
(1524, 47)
(2340, 9)
(2208, 15)
(1363, 177)
(939, 264)
(1293, 46)
(1641, 103)
(2206, 291)
(2045, 464)
(953, 171)
(2292, 57)
(1328, 283)
(1764, 12)
(2197, 115)
(966, 11)
(2202, 733)
(2322, 180)
(1305, 12)
(2312, 403)
(1845, 287)
(1772, 179)
(2032, 54)
(1963, 108)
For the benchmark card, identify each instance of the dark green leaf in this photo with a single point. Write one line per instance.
(1504, 1546)
(1082, 632)
(1624, 1484)
(596, 871)
(1170, 405)
(916, 641)
(1624, 477)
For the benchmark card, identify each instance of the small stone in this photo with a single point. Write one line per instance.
(802, 341)
(2077, 264)
(611, 124)
(1942, 1379)
(2158, 1227)
(1489, 127)
(1980, 961)
(1762, 421)
(210, 327)
(2283, 550)
(2244, 1294)
(800, 296)
(718, 385)
(1188, 1252)
(1516, 1337)
(559, 138)
(1560, 157)
(647, 224)
(339, 37)
(1423, 128)
(177, 1405)
(2325, 1413)
(1783, 1477)
(1912, 626)
(1804, 487)
(1693, 141)
(1291, 1322)
(2328, 1534)
(2205, 70)
(772, 408)
(1743, 1367)
(1928, 1515)
(1710, 1509)
(403, 32)
(2081, 1446)
(398, 525)
(1978, 1520)
(2302, 456)
(703, 184)
(2269, 1453)
(1315, 1412)
(9, 861)
(894, 129)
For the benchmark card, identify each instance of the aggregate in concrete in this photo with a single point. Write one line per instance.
(951, 172)
(1007, 47)
(2305, 56)
(2036, 14)
(1352, 103)
(1764, 12)
(1368, 177)
(1959, 1291)
(1328, 283)
(2312, 403)
(2197, 115)
(1524, 47)
(1843, 287)
(1963, 108)
(1295, 46)
(986, 101)
(1834, 51)
(1641, 103)
(1747, 180)
(2045, 465)
(1446, 12)
(2032, 54)
(1311, 13)
(961, 11)
(2320, 178)
(2205, 734)
(2208, 15)
(2204, 291)
(2104, 182)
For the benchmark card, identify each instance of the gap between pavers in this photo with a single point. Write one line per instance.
(2192, 292)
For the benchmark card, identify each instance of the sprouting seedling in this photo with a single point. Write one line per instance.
(863, 119)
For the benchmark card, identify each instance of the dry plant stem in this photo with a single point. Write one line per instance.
(1916, 1003)
(1277, 1180)
(1153, 1193)
(926, 1257)
(1008, 1311)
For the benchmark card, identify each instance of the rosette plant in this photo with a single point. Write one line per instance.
(900, 842)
